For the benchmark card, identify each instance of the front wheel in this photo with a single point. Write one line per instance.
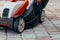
(19, 25)
(42, 17)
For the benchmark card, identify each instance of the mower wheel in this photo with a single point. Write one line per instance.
(42, 17)
(19, 25)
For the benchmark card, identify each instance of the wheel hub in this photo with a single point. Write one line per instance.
(21, 25)
(43, 16)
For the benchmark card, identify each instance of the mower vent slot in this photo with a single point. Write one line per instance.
(6, 12)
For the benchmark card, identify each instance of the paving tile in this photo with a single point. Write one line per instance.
(56, 21)
(29, 31)
(2, 35)
(29, 39)
(39, 28)
(58, 17)
(56, 39)
(53, 33)
(12, 34)
(58, 26)
(51, 17)
(14, 38)
(28, 34)
(2, 38)
(43, 38)
(48, 23)
(48, 12)
(55, 36)
(52, 29)
(56, 7)
(41, 33)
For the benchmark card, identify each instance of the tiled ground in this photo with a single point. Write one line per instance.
(49, 30)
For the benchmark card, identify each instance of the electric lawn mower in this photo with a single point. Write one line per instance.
(22, 14)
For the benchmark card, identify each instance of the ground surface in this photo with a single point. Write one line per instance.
(49, 30)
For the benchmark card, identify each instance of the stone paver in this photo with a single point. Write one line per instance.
(28, 34)
(29, 39)
(13, 36)
(49, 30)
(56, 39)
(43, 38)
(2, 35)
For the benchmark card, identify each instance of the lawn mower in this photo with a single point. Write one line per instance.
(22, 14)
